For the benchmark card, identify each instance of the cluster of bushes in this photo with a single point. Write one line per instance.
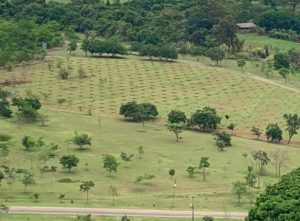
(161, 51)
(96, 46)
(285, 35)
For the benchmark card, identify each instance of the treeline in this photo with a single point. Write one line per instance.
(23, 40)
(96, 46)
(161, 51)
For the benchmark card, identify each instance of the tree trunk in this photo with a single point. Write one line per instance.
(177, 137)
(204, 174)
(87, 196)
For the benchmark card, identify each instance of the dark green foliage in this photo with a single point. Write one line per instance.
(30, 143)
(138, 112)
(281, 20)
(293, 124)
(27, 108)
(5, 137)
(172, 172)
(101, 47)
(274, 133)
(69, 161)
(207, 218)
(250, 177)
(176, 116)
(22, 40)
(281, 60)
(2, 176)
(125, 218)
(5, 108)
(145, 177)
(82, 140)
(191, 170)
(110, 163)
(256, 131)
(206, 119)
(126, 157)
(203, 165)
(222, 140)
(86, 187)
(28, 180)
(262, 159)
(279, 201)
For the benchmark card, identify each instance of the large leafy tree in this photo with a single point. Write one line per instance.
(279, 201)
(69, 161)
(206, 119)
(293, 124)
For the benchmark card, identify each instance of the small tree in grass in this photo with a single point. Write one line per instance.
(141, 151)
(241, 63)
(250, 177)
(274, 133)
(256, 131)
(172, 172)
(27, 180)
(293, 124)
(82, 140)
(145, 177)
(222, 140)
(4, 150)
(110, 163)
(284, 73)
(126, 157)
(239, 190)
(113, 192)
(191, 170)
(203, 165)
(262, 158)
(72, 46)
(69, 161)
(36, 196)
(215, 54)
(231, 127)
(86, 186)
(176, 128)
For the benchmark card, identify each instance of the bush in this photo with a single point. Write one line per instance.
(274, 133)
(5, 137)
(67, 180)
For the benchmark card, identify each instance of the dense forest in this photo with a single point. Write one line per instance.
(201, 23)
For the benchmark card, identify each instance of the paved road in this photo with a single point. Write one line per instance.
(121, 212)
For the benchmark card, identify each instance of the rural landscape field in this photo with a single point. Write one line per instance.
(165, 111)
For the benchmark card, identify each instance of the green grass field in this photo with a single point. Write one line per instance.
(256, 40)
(161, 154)
(111, 82)
(184, 86)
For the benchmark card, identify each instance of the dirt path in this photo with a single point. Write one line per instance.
(122, 212)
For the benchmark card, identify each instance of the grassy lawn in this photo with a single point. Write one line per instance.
(73, 218)
(256, 40)
(111, 82)
(161, 154)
